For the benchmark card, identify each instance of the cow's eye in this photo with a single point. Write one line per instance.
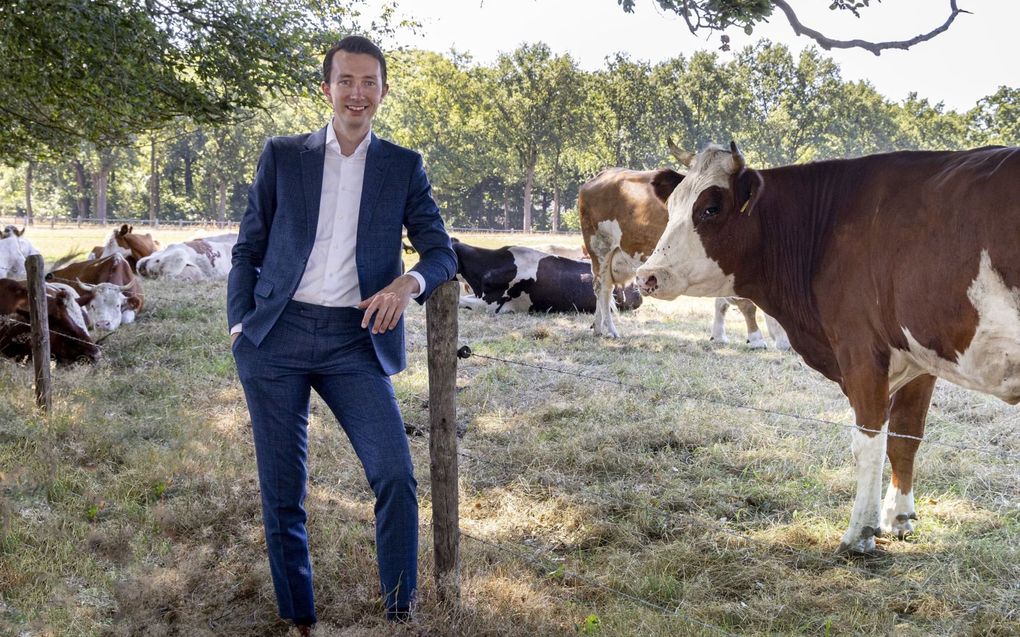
(711, 211)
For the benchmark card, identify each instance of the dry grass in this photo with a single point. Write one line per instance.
(133, 508)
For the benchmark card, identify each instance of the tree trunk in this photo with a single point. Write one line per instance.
(529, 181)
(189, 183)
(506, 207)
(221, 207)
(556, 205)
(101, 182)
(81, 202)
(153, 184)
(28, 194)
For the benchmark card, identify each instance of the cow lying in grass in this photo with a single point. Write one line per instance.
(69, 339)
(196, 260)
(107, 287)
(520, 279)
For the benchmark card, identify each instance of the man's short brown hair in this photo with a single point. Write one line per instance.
(353, 44)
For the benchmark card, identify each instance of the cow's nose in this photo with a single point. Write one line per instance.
(648, 284)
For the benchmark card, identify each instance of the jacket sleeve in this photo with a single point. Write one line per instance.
(252, 239)
(427, 233)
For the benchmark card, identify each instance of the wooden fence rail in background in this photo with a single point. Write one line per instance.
(441, 326)
(40, 329)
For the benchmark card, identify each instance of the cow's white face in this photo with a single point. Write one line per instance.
(107, 306)
(680, 264)
(172, 263)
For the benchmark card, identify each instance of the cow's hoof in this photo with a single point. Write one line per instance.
(783, 345)
(722, 340)
(900, 526)
(758, 344)
(862, 543)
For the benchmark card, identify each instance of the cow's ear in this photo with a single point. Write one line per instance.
(132, 303)
(84, 298)
(747, 189)
(665, 182)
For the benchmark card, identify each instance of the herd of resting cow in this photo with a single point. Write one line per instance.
(883, 272)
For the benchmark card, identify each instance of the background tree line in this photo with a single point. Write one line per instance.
(508, 144)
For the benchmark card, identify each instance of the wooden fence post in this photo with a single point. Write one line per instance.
(40, 329)
(441, 323)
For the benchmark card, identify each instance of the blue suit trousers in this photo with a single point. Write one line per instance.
(326, 349)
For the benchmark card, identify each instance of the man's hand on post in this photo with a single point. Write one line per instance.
(389, 303)
(233, 337)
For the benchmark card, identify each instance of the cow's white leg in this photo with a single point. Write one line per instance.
(127, 316)
(719, 322)
(898, 512)
(778, 334)
(907, 413)
(604, 302)
(755, 338)
(869, 451)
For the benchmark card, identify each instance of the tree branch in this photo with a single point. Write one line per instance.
(875, 47)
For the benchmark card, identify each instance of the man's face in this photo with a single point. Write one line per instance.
(355, 89)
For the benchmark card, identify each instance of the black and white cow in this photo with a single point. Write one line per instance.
(520, 279)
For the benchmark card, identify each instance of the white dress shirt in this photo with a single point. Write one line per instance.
(331, 274)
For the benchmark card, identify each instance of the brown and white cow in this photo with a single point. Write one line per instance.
(125, 242)
(108, 289)
(69, 342)
(887, 272)
(622, 215)
(195, 260)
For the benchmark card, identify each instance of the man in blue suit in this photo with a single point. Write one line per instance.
(315, 300)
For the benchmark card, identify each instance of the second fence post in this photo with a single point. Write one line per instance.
(441, 322)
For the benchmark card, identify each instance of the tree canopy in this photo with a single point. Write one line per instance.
(103, 70)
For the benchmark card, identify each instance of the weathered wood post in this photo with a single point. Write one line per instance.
(40, 329)
(441, 323)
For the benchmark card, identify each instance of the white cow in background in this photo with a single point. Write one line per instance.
(195, 260)
(14, 249)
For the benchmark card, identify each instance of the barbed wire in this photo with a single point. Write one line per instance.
(9, 319)
(465, 352)
(537, 562)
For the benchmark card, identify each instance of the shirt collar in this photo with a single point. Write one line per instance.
(359, 153)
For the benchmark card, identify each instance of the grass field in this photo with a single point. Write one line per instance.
(587, 507)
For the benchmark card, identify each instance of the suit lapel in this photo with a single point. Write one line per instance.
(312, 158)
(375, 172)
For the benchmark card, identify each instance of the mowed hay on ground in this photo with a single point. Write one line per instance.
(588, 507)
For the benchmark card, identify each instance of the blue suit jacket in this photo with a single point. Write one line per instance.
(278, 231)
